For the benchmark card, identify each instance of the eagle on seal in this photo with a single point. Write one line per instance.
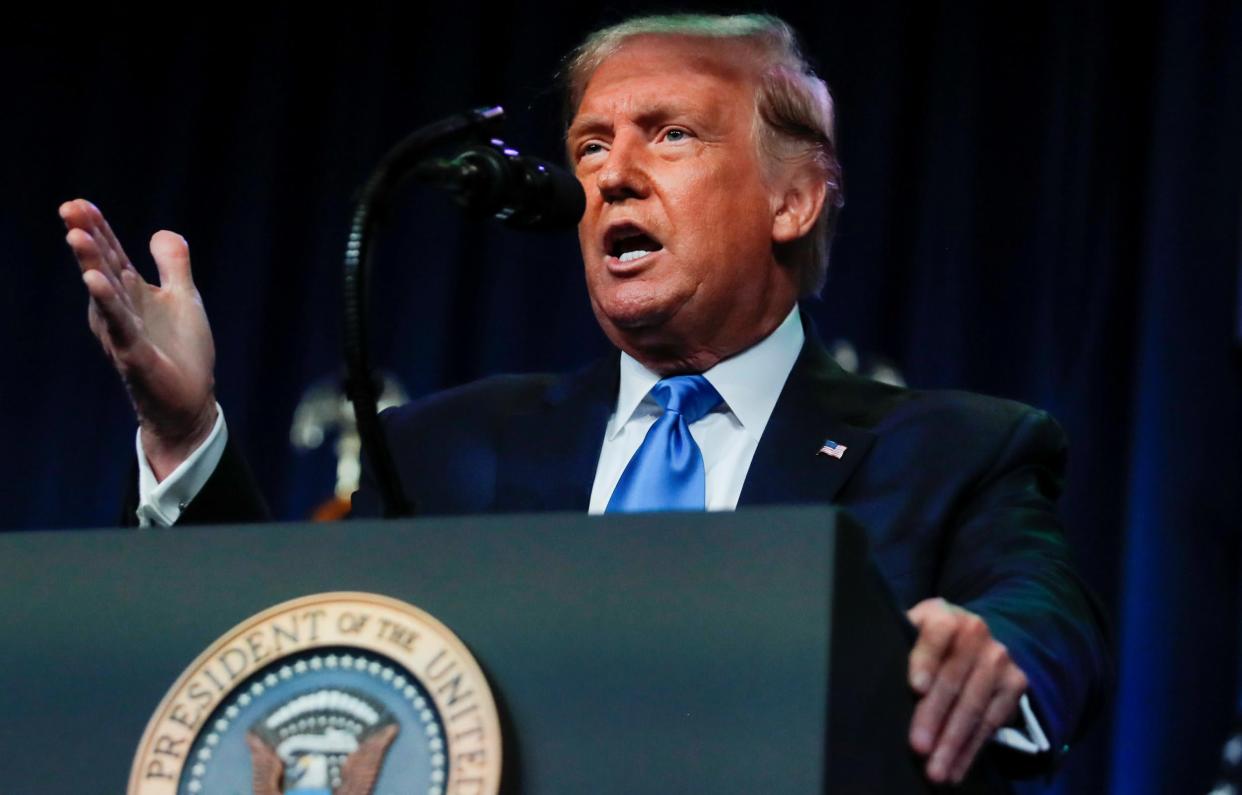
(308, 772)
(326, 742)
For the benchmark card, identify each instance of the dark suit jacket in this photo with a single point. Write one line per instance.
(956, 492)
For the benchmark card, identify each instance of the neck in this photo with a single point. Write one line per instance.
(671, 358)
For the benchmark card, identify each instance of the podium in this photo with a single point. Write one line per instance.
(747, 652)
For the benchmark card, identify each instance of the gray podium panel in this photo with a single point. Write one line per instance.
(661, 653)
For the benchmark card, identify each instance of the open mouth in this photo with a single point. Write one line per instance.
(628, 243)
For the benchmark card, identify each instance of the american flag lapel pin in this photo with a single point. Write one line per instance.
(832, 448)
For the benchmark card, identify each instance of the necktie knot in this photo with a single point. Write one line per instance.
(667, 472)
(691, 396)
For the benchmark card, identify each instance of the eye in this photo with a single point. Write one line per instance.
(677, 135)
(590, 148)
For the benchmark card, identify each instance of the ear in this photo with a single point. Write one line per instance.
(798, 206)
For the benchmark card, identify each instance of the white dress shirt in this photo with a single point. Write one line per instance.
(749, 384)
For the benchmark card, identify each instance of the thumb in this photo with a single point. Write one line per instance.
(172, 257)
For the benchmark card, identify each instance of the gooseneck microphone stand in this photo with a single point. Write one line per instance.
(488, 178)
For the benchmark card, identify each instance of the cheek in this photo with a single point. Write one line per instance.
(722, 215)
(588, 238)
(584, 235)
(589, 225)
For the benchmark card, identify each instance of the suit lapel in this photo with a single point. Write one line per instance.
(786, 467)
(548, 456)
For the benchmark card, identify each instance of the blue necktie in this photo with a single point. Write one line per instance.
(666, 473)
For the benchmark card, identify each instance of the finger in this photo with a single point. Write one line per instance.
(94, 220)
(933, 709)
(958, 652)
(98, 288)
(115, 252)
(966, 715)
(925, 609)
(998, 715)
(66, 212)
(985, 732)
(81, 214)
(117, 320)
(936, 625)
(966, 758)
(1011, 683)
(129, 284)
(85, 248)
(86, 251)
(172, 256)
(135, 288)
(73, 213)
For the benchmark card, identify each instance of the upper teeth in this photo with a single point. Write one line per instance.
(630, 256)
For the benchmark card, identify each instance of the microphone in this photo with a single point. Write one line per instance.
(521, 191)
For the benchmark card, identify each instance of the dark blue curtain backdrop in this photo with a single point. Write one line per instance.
(1042, 203)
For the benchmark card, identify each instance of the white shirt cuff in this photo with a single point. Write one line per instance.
(1030, 740)
(160, 503)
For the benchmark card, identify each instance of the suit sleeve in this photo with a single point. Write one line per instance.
(1008, 561)
(230, 495)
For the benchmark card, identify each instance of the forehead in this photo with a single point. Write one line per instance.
(696, 73)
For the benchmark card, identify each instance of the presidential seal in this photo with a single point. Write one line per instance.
(332, 694)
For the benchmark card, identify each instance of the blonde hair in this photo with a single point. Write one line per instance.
(793, 109)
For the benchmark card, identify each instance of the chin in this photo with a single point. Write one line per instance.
(638, 321)
(633, 309)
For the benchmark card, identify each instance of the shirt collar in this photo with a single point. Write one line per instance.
(750, 382)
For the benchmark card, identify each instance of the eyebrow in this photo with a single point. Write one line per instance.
(592, 123)
(586, 125)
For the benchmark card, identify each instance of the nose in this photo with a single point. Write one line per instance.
(624, 175)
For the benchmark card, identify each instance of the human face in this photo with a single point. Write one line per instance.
(677, 238)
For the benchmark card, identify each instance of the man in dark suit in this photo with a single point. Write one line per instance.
(705, 147)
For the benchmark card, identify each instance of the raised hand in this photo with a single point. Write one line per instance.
(158, 338)
(969, 684)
